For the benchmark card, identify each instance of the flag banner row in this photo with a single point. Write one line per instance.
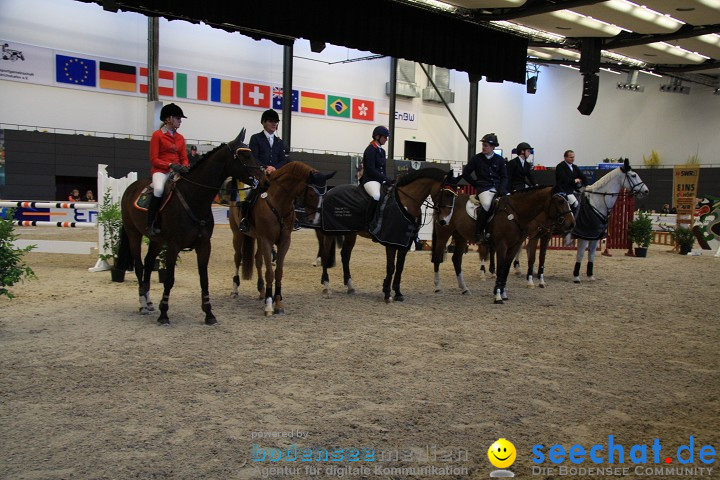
(32, 64)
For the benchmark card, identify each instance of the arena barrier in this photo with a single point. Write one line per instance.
(82, 214)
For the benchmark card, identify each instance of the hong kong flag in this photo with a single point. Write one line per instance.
(363, 109)
(256, 95)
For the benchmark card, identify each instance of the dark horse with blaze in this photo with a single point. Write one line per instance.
(186, 220)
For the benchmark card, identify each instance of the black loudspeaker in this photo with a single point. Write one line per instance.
(591, 83)
(317, 46)
(531, 84)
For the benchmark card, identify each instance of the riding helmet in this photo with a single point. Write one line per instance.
(491, 138)
(523, 146)
(381, 130)
(171, 110)
(270, 115)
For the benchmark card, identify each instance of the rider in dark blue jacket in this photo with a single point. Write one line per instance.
(490, 177)
(374, 162)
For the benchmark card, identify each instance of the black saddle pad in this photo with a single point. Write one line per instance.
(589, 225)
(392, 225)
(344, 209)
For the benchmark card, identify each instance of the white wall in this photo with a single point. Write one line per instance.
(623, 123)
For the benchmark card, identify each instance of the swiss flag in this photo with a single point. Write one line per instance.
(363, 109)
(256, 95)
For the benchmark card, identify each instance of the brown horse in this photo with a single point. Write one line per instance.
(514, 215)
(186, 221)
(411, 191)
(271, 223)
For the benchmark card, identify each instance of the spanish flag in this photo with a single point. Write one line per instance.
(312, 103)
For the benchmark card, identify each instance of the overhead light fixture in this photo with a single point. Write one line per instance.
(675, 86)
(317, 46)
(631, 84)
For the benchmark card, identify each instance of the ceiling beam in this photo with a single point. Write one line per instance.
(686, 31)
(707, 65)
(531, 8)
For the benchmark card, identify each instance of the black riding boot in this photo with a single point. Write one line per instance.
(244, 227)
(152, 214)
(480, 225)
(590, 269)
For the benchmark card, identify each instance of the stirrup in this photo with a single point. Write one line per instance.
(243, 225)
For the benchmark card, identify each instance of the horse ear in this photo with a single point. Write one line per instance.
(242, 135)
(329, 175)
(627, 165)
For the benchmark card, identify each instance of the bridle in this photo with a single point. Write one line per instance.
(177, 177)
(558, 221)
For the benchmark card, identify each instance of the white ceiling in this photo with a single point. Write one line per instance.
(609, 18)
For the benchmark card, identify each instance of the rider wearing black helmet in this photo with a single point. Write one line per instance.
(374, 160)
(269, 150)
(167, 152)
(520, 168)
(490, 178)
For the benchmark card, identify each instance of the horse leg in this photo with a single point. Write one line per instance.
(238, 248)
(437, 249)
(328, 261)
(492, 255)
(544, 242)
(203, 257)
(483, 254)
(531, 250)
(389, 270)
(318, 257)
(143, 272)
(172, 254)
(581, 245)
(503, 269)
(516, 262)
(280, 262)
(345, 253)
(457, 258)
(258, 268)
(592, 249)
(399, 267)
(269, 275)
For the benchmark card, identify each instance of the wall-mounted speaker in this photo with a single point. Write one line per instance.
(532, 84)
(591, 84)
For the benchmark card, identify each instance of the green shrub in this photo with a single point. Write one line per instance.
(12, 267)
(640, 230)
(110, 217)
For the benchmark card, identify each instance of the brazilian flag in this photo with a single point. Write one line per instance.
(338, 107)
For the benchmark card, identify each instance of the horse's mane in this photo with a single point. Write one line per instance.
(206, 155)
(295, 169)
(529, 189)
(432, 173)
(603, 181)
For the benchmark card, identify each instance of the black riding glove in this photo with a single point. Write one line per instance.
(179, 169)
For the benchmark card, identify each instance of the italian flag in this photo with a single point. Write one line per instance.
(188, 85)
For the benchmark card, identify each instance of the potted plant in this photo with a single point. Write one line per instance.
(640, 233)
(684, 238)
(13, 268)
(110, 218)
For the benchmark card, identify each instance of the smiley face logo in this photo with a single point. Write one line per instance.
(502, 453)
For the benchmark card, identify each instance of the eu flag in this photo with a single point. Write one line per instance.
(75, 70)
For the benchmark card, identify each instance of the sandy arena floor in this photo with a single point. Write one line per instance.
(90, 389)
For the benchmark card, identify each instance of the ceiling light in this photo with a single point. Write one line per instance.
(675, 86)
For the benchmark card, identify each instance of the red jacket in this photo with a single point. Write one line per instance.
(166, 149)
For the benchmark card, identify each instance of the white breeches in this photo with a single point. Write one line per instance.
(486, 198)
(373, 189)
(158, 183)
(572, 201)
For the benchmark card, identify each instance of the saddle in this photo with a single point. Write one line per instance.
(142, 202)
(473, 204)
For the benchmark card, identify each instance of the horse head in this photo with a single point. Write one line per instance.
(632, 181)
(308, 203)
(244, 166)
(559, 210)
(445, 201)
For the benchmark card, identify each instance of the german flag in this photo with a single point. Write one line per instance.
(114, 76)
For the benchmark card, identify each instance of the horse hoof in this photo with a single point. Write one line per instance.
(279, 311)
(466, 291)
(498, 302)
(145, 311)
(576, 280)
(165, 322)
(234, 294)
(388, 300)
(438, 290)
(399, 298)
(211, 321)
(268, 313)
(530, 285)
(542, 285)
(351, 291)
(592, 279)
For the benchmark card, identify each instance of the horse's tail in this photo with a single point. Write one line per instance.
(437, 256)
(248, 260)
(124, 256)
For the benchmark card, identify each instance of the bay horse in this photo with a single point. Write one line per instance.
(508, 228)
(598, 201)
(272, 219)
(186, 221)
(411, 191)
